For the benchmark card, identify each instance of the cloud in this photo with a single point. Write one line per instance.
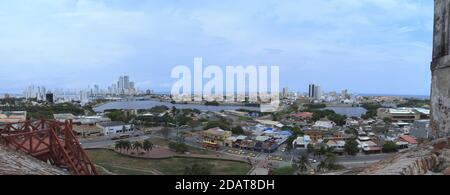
(320, 41)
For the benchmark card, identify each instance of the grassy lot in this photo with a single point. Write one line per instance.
(193, 150)
(122, 165)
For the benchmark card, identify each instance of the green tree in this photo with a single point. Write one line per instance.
(390, 147)
(315, 106)
(322, 151)
(311, 149)
(338, 119)
(288, 170)
(117, 115)
(174, 110)
(293, 108)
(223, 124)
(119, 145)
(289, 142)
(127, 145)
(178, 147)
(351, 147)
(302, 164)
(213, 103)
(276, 116)
(165, 132)
(387, 120)
(147, 145)
(295, 130)
(197, 169)
(137, 146)
(238, 130)
(329, 163)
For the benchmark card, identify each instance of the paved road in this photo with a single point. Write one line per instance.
(362, 160)
(107, 142)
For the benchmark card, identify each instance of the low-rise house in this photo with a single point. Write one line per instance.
(90, 120)
(370, 147)
(63, 117)
(349, 122)
(12, 116)
(364, 138)
(303, 115)
(406, 141)
(421, 129)
(324, 125)
(114, 127)
(408, 115)
(315, 135)
(81, 120)
(87, 130)
(302, 142)
(215, 138)
(270, 123)
(338, 146)
(234, 141)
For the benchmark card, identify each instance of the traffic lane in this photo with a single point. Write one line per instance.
(108, 142)
(364, 158)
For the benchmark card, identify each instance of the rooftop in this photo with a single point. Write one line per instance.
(409, 139)
(217, 132)
(112, 124)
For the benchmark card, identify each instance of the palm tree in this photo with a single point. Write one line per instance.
(119, 145)
(137, 146)
(127, 145)
(302, 164)
(311, 149)
(165, 132)
(147, 145)
(329, 163)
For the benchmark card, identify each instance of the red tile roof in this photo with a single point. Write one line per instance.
(409, 139)
(303, 115)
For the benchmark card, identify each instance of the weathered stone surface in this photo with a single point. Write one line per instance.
(16, 163)
(446, 171)
(440, 67)
(441, 144)
(418, 161)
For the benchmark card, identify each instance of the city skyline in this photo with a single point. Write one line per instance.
(39, 91)
(363, 46)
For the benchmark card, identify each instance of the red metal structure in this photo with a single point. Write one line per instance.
(49, 141)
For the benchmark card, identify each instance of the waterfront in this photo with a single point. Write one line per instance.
(348, 111)
(131, 105)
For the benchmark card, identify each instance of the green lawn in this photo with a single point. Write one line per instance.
(284, 171)
(122, 165)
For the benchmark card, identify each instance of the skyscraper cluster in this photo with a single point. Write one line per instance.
(37, 92)
(123, 87)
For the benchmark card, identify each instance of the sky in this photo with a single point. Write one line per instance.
(365, 46)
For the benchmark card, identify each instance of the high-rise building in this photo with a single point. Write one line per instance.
(318, 93)
(315, 92)
(285, 92)
(312, 89)
(344, 94)
(49, 98)
(96, 90)
(126, 83)
(121, 85)
(131, 89)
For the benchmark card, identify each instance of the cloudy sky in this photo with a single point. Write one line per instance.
(366, 46)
